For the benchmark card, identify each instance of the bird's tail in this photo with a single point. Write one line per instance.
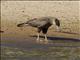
(22, 24)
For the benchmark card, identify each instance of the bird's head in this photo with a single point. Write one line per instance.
(55, 22)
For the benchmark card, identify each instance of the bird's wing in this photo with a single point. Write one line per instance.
(42, 23)
(37, 23)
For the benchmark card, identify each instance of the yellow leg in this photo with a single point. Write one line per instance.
(37, 37)
(46, 40)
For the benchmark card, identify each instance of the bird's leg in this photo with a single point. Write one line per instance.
(37, 37)
(45, 36)
(46, 40)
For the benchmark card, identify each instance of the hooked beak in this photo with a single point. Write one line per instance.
(58, 29)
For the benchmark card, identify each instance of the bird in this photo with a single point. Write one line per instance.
(42, 24)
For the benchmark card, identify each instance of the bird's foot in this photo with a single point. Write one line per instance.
(46, 42)
(37, 41)
(41, 41)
